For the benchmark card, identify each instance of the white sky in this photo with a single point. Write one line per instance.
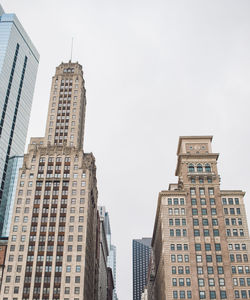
(154, 70)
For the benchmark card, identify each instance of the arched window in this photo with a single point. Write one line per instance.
(191, 168)
(208, 168)
(199, 168)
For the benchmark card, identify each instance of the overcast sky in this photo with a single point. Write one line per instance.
(154, 70)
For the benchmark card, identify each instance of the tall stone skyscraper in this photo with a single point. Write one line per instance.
(52, 243)
(141, 258)
(18, 68)
(201, 246)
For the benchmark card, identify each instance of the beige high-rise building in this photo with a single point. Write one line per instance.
(200, 243)
(52, 244)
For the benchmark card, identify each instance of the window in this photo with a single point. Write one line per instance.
(78, 268)
(205, 222)
(193, 201)
(209, 258)
(194, 211)
(212, 201)
(217, 247)
(196, 221)
(197, 247)
(212, 294)
(196, 232)
(191, 168)
(174, 282)
(213, 211)
(208, 247)
(202, 295)
(199, 270)
(216, 232)
(201, 282)
(204, 211)
(206, 232)
(203, 201)
(175, 294)
(221, 281)
(202, 191)
(198, 258)
(182, 294)
(199, 168)
(210, 191)
(218, 258)
(192, 191)
(223, 294)
(210, 270)
(214, 222)
(207, 168)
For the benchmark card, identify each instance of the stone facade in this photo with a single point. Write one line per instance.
(52, 245)
(3, 250)
(200, 240)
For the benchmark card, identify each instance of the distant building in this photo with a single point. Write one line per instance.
(9, 194)
(141, 259)
(110, 285)
(18, 68)
(111, 248)
(103, 269)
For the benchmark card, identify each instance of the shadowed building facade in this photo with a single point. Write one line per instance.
(52, 244)
(200, 240)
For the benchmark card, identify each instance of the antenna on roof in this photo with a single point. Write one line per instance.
(71, 52)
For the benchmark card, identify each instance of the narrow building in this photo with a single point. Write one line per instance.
(52, 244)
(141, 259)
(200, 240)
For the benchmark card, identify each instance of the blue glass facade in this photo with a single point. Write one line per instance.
(9, 193)
(141, 257)
(18, 68)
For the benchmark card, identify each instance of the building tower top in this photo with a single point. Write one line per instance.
(194, 145)
(66, 114)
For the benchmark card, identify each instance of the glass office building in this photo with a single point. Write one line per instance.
(18, 68)
(8, 199)
(141, 258)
